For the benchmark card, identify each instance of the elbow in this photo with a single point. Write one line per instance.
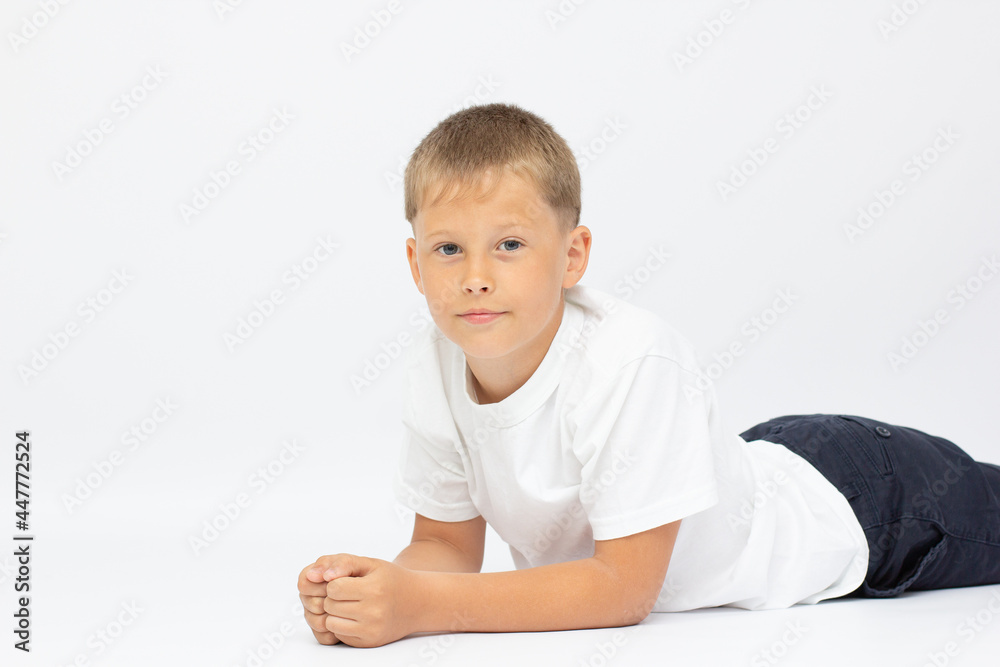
(631, 612)
(633, 600)
(639, 607)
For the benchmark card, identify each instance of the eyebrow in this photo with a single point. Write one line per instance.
(503, 228)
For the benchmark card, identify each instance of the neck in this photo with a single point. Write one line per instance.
(493, 380)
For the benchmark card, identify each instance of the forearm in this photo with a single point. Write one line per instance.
(431, 555)
(577, 594)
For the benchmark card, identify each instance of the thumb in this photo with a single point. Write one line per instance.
(348, 565)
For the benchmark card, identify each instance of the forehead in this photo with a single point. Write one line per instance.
(509, 200)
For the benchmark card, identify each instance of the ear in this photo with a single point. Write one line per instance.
(577, 255)
(411, 257)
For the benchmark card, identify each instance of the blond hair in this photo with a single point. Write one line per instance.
(457, 154)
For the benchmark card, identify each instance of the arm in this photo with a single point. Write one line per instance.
(371, 602)
(617, 586)
(443, 546)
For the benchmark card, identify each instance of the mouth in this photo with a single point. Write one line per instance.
(480, 316)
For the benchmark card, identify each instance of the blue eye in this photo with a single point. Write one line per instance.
(503, 244)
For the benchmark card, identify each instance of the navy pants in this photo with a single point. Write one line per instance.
(931, 514)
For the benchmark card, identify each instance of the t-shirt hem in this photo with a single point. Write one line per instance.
(610, 529)
(432, 509)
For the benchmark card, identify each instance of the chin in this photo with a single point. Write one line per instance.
(486, 349)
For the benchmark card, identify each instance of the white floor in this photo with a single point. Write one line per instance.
(231, 604)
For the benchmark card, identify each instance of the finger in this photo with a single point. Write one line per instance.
(328, 567)
(310, 588)
(312, 603)
(349, 610)
(316, 622)
(344, 628)
(326, 638)
(344, 589)
(312, 573)
(344, 565)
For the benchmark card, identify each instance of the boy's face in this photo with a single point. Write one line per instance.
(507, 253)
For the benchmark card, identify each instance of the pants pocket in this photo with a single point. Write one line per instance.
(903, 566)
(872, 439)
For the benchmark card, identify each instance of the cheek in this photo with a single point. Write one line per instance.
(440, 294)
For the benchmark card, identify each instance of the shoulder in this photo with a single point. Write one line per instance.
(611, 333)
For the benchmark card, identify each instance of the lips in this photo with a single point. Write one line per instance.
(480, 316)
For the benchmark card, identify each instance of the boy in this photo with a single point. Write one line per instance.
(574, 424)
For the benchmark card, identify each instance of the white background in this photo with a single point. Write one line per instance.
(332, 173)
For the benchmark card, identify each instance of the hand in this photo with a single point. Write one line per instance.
(313, 595)
(368, 602)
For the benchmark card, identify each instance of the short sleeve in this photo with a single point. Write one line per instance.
(430, 477)
(646, 449)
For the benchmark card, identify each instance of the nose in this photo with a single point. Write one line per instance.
(477, 278)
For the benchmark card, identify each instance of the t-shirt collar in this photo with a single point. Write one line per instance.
(535, 391)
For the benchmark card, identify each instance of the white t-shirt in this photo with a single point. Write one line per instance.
(611, 436)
